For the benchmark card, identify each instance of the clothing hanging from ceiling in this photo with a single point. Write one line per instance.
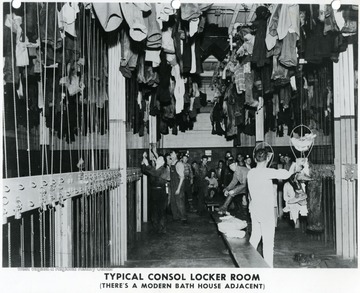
(163, 50)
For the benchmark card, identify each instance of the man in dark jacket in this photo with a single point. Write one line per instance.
(158, 176)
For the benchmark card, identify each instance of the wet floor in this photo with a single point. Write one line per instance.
(199, 244)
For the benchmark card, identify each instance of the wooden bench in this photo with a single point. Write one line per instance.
(211, 206)
(243, 253)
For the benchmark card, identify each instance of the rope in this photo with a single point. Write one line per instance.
(89, 93)
(83, 77)
(27, 105)
(44, 91)
(82, 239)
(22, 244)
(77, 98)
(9, 245)
(63, 75)
(41, 240)
(53, 101)
(97, 119)
(92, 100)
(44, 236)
(78, 227)
(14, 96)
(68, 126)
(4, 137)
(32, 240)
(50, 238)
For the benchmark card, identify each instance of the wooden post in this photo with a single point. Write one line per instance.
(138, 205)
(344, 137)
(117, 154)
(63, 236)
(145, 198)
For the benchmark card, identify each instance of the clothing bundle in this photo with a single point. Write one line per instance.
(284, 56)
(232, 227)
(56, 63)
(161, 51)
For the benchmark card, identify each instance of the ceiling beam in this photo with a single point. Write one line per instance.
(234, 17)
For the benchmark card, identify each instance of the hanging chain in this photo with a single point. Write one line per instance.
(22, 243)
(27, 103)
(41, 239)
(44, 236)
(82, 205)
(50, 237)
(9, 244)
(32, 240)
(14, 95)
(53, 99)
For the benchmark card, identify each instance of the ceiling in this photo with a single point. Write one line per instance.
(223, 14)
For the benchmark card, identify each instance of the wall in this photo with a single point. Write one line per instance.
(135, 146)
(201, 136)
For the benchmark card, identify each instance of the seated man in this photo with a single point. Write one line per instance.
(213, 185)
(237, 185)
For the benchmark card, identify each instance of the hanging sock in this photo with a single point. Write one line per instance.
(153, 56)
(239, 78)
(293, 83)
(139, 99)
(22, 56)
(163, 11)
(193, 26)
(179, 90)
(154, 35)
(167, 42)
(190, 11)
(134, 18)
(129, 58)
(195, 87)
(144, 7)
(109, 15)
(67, 16)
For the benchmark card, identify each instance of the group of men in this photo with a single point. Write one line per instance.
(179, 176)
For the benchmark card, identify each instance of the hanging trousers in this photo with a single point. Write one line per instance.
(265, 230)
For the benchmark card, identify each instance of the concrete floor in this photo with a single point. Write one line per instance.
(198, 244)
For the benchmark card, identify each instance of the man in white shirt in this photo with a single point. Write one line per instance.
(261, 205)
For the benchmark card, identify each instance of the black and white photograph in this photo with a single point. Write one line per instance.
(179, 146)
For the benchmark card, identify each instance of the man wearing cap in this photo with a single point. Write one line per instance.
(248, 162)
(158, 176)
(240, 159)
(203, 184)
(237, 185)
(188, 180)
(228, 174)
